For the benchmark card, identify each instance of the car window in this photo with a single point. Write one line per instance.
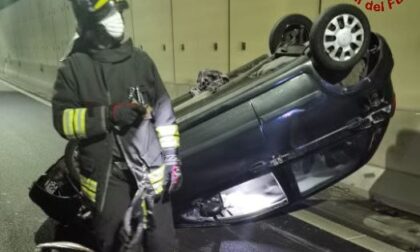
(232, 90)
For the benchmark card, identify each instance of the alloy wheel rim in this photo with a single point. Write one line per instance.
(343, 37)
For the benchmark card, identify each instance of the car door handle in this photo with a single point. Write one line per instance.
(256, 167)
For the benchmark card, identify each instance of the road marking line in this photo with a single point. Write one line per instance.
(37, 98)
(357, 237)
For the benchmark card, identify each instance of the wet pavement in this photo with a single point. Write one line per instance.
(392, 226)
(28, 146)
(281, 233)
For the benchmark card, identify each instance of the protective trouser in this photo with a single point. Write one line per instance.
(106, 226)
(162, 237)
(101, 232)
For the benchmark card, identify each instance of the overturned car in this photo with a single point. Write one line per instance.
(273, 132)
(286, 125)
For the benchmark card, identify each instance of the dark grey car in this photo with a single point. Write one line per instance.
(288, 124)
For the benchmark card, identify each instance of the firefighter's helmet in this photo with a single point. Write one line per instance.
(90, 12)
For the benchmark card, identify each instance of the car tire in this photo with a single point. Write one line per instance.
(285, 24)
(340, 38)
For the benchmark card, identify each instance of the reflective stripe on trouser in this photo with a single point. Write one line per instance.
(168, 136)
(137, 219)
(156, 177)
(89, 187)
(74, 123)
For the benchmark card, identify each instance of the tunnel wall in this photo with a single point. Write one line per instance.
(180, 35)
(35, 35)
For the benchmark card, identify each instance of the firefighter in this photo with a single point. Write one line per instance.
(110, 99)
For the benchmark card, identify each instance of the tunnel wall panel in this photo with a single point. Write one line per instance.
(200, 37)
(152, 31)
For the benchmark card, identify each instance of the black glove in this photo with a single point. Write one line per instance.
(126, 114)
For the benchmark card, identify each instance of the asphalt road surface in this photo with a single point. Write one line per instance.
(29, 145)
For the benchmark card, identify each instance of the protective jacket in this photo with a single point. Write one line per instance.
(87, 84)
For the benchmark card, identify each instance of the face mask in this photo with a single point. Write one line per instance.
(113, 24)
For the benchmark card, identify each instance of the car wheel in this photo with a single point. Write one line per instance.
(340, 38)
(291, 25)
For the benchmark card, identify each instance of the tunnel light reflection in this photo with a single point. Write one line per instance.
(291, 113)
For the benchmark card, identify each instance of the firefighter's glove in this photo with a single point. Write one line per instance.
(126, 114)
(173, 174)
